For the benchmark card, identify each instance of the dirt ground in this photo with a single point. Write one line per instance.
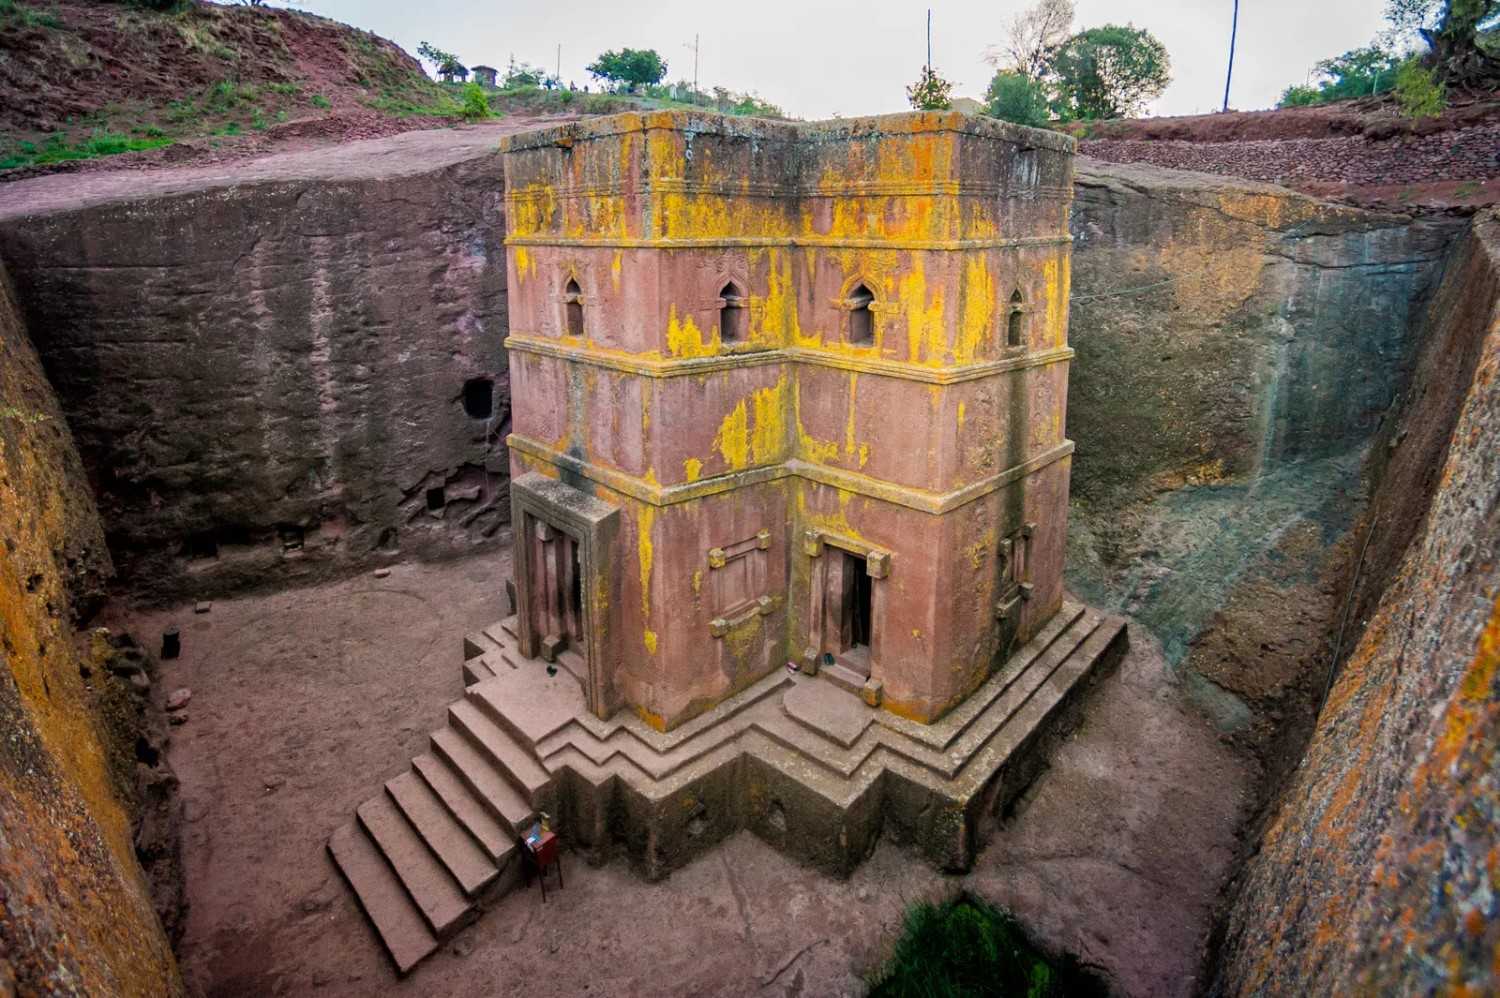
(304, 701)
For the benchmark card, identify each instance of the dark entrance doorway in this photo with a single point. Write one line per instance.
(556, 589)
(848, 604)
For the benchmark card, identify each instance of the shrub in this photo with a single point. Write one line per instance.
(1418, 91)
(476, 106)
(318, 100)
(1298, 96)
(931, 92)
(1015, 97)
(967, 947)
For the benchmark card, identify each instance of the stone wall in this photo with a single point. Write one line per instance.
(1377, 871)
(76, 912)
(1239, 347)
(289, 372)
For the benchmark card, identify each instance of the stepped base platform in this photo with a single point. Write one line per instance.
(800, 760)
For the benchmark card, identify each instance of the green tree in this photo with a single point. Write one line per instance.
(1109, 72)
(1462, 36)
(1014, 96)
(446, 62)
(631, 67)
(931, 92)
(1356, 73)
(1418, 90)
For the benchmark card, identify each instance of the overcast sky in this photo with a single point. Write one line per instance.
(817, 58)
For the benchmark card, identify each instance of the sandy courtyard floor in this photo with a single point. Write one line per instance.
(305, 700)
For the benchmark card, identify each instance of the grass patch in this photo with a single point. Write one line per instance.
(408, 104)
(966, 948)
(318, 100)
(57, 148)
(12, 12)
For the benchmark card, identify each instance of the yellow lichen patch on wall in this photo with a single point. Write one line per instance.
(922, 310)
(744, 441)
(692, 469)
(977, 327)
(684, 338)
(525, 264)
(646, 555)
(1056, 278)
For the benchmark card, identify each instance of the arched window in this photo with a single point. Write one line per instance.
(733, 314)
(573, 308)
(1015, 332)
(861, 319)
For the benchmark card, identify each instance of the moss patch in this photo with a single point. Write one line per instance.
(965, 948)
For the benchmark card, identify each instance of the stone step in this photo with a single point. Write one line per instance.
(494, 838)
(481, 776)
(437, 895)
(477, 670)
(1034, 719)
(1021, 689)
(442, 833)
(843, 677)
(402, 930)
(514, 760)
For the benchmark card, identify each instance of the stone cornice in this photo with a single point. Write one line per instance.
(922, 500)
(656, 367)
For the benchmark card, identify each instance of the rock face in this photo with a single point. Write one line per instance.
(1238, 348)
(1378, 871)
(293, 370)
(75, 911)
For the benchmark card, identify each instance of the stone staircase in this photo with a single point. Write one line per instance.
(438, 844)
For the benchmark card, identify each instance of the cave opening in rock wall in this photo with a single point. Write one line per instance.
(479, 398)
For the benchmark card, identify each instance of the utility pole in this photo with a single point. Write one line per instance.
(1234, 32)
(694, 47)
(929, 38)
(559, 64)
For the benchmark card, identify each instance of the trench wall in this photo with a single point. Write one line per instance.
(283, 374)
(1378, 870)
(1240, 346)
(76, 914)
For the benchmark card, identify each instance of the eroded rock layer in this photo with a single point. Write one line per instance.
(1239, 347)
(1378, 870)
(75, 911)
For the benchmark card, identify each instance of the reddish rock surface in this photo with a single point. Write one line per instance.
(1377, 870)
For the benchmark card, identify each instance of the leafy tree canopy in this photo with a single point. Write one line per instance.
(446, 62)
(1462, 36)
(1108, 72)
(1015, 96)
(1356, 73)
(631, 67)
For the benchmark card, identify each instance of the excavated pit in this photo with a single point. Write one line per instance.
(311, 387)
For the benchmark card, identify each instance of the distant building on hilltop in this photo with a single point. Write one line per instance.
(453, 72)
(485, 76)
